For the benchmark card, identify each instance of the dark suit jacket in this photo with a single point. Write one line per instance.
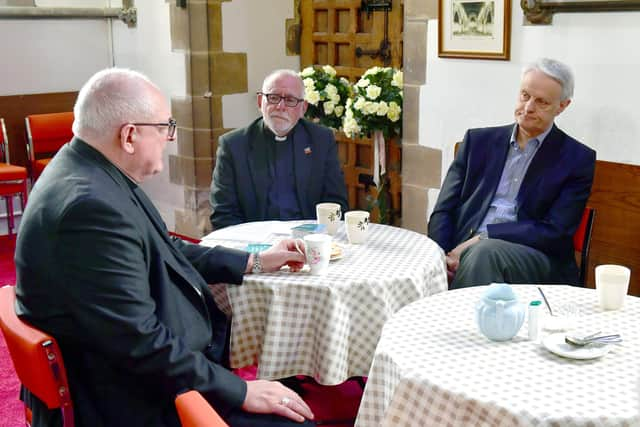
(129, 306)
(550, 202)
(241, 177)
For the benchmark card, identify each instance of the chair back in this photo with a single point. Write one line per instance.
(195, 411)
(46, 133)
(36, 358)
(582, 241)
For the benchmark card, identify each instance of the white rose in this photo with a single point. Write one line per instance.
(309, 82)
(383, 108)
(307, 72)
(348, 113)
(372, 70)
(344, 81)
(370, 107)
(363, 83)
(335, 98)
(373, 91)
(331, 90)
(329, 70)
(394, 112)
(339, 110)
(359, 103)
(397, 79)
(350, 127)
(328, 107)
(312, 96)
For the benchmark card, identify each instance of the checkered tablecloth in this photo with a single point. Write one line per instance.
(328, 326)
(433, 367)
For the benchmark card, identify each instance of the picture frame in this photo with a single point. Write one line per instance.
(540, 12)
(476, 29)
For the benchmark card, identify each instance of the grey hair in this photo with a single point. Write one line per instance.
(111, 98)
(274, 75)
(558, 71)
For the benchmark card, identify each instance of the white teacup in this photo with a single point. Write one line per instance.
(318, 249)
(612, 284)
(357, 224)
(329, 214)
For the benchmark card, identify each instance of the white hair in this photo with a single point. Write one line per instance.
(111, 98)
(558, 71)
(274, 75)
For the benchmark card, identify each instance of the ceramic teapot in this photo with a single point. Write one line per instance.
(499, 315)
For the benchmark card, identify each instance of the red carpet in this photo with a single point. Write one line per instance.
(333, 406)
(7, 267)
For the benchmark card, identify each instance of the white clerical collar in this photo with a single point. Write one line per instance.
(280, 138)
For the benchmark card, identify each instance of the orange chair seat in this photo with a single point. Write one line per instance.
(12, 173)
(40, 164)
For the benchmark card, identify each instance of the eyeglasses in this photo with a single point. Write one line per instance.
(171, 126)
(274, 99)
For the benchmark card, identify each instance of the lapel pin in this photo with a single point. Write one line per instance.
(307, 150)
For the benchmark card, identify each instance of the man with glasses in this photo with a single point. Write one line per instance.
(514, 195)
(280, 166)
(130, 307)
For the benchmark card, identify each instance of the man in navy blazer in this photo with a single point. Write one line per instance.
(280, 166)
(131, 308)
(514, 195)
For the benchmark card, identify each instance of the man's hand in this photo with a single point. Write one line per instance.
(286, 252)
(453, 257)
(271, 397)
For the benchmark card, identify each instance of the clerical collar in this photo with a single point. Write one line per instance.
(280, 138)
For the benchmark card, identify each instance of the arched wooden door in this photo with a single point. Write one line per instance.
(339, 33)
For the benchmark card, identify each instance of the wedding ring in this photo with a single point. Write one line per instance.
(285, 401)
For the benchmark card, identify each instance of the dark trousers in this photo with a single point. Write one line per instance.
(499, 261)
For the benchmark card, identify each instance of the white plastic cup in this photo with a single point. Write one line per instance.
(612, 284)
(330, 215)
(318, 249)
(357, 225)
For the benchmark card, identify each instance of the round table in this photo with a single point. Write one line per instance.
(433, 367)
(326, 327)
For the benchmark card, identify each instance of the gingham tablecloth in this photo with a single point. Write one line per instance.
(328, 326)
(432, 367)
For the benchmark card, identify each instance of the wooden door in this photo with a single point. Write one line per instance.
(336, 33)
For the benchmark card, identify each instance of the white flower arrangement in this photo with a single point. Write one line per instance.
(377, 104)
(326, 95)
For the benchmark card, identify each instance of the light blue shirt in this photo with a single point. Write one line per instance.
(503, 207)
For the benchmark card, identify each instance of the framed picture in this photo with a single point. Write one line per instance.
(541, 11)
(474, 29)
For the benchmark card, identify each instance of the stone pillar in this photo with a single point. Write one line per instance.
(420, 165)
(211, 74)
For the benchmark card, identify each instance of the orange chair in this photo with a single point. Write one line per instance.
(195, 411)
(13, 179)
(582, 242)
(46, 133)
(36, 358)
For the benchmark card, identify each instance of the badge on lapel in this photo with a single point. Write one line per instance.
(307, 150)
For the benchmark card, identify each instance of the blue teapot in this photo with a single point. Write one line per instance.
(499, 314)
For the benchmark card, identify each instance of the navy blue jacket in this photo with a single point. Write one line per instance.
(550, 202)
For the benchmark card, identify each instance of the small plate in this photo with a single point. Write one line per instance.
(337, 252)
(555, 344)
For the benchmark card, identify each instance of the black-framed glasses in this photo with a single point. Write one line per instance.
(274, 99)
(171, 125)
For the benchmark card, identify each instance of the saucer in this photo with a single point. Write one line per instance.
(337, 252)
(555, 344)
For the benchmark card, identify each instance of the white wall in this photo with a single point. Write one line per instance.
(147, 48)
(54, 55)
(258, 29)
(601, 48)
